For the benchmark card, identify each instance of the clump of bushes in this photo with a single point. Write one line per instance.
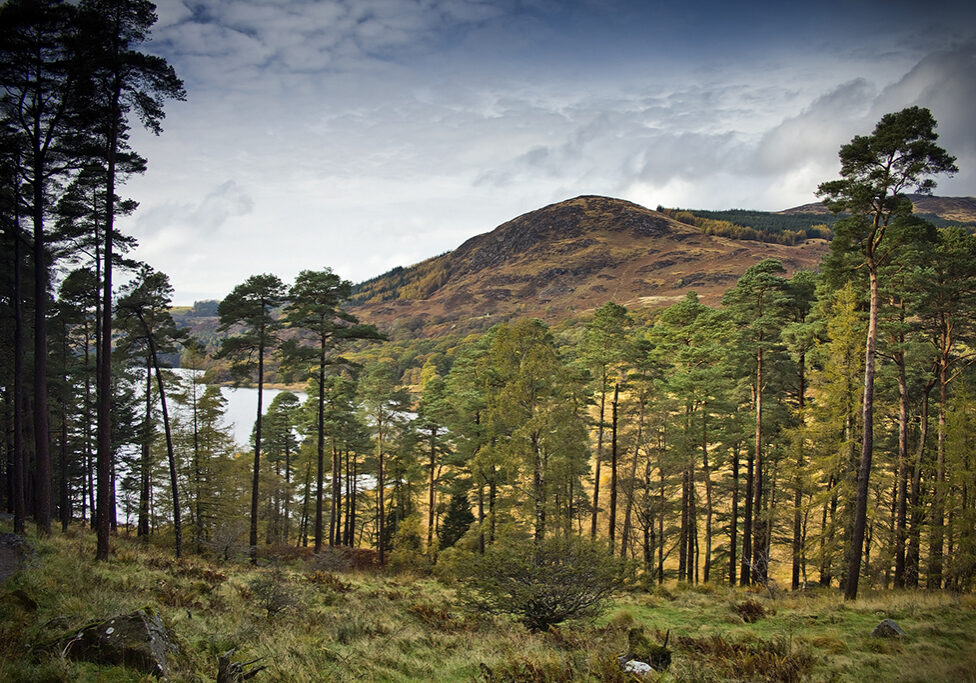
(750, 610)
(543, 583)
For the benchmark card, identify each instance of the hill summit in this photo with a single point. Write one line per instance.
(562, 260)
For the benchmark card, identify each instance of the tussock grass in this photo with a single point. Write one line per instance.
(310, 622)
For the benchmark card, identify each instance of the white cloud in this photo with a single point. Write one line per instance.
(368, 134)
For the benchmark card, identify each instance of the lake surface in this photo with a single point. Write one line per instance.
(242, 407)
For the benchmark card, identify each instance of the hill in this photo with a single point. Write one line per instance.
(949, 209)
(562, 260)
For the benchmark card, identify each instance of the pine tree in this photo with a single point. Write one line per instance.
(252, 308)
(901, 153)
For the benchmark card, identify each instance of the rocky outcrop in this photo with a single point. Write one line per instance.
(888, 629)
(137, 640)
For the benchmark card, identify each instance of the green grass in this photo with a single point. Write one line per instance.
(387, 627)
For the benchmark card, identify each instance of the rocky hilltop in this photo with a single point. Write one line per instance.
(562, 260)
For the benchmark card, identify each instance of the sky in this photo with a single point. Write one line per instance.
(362, 135)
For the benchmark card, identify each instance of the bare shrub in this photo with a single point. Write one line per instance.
(273, 593)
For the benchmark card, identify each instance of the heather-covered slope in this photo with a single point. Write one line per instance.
(562, 260)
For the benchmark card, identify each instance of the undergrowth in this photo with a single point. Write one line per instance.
(306, 621)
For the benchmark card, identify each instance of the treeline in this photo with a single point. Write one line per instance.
(709, 444)
(758, 226)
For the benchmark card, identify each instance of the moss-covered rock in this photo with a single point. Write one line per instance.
(137, 640)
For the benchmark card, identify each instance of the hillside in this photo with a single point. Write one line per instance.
(955, 209)
(562, 260)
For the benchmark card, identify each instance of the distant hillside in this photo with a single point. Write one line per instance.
(562, 260)
(944, 209)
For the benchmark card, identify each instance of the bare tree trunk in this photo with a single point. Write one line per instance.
(171, 457)
(599, 461)
(760, 519)
(798, 484)
(320, 458)
(867, 444)
(937, 534)
(42, 440)
(708, 497)
(733, 513)
(613, 466)
(253, 538)
(745, 575)
(430, 490)
(145, 475)
(379, 490)
(625, 536)
(18, 469)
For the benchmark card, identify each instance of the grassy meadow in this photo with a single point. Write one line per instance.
(306, 620)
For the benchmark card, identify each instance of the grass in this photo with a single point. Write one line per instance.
(305, 624)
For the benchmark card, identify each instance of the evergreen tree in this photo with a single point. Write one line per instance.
(602, 351)
(39, 69)
(315, 307)
(143, 312)
(758, 307)
(252, 307)
(876, 169)
(384, 403)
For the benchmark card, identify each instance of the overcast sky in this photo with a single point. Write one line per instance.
(367, 134)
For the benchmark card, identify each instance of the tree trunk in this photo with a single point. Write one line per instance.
(335, 518)
(42, 438)
(733, 513)
(760, 519)
(901, 496)
(937, 533)
(599, 460)
(18, 469)
(253, 537)
(379, 490)
(613, 466)
(867, 443)
(320, 458)
(798, 484)
(625, 536)
(745, 575)
(197, 472)
(145, 480)
(539, 490)
(708, 498)
(430, 490)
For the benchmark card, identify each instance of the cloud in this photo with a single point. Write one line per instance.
(945, 82)
(364, 134)
(814, 136)
(204, 218)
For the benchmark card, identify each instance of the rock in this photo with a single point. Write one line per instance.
(888, 629)
(644, 651)
(635, 666)
(137, 640)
